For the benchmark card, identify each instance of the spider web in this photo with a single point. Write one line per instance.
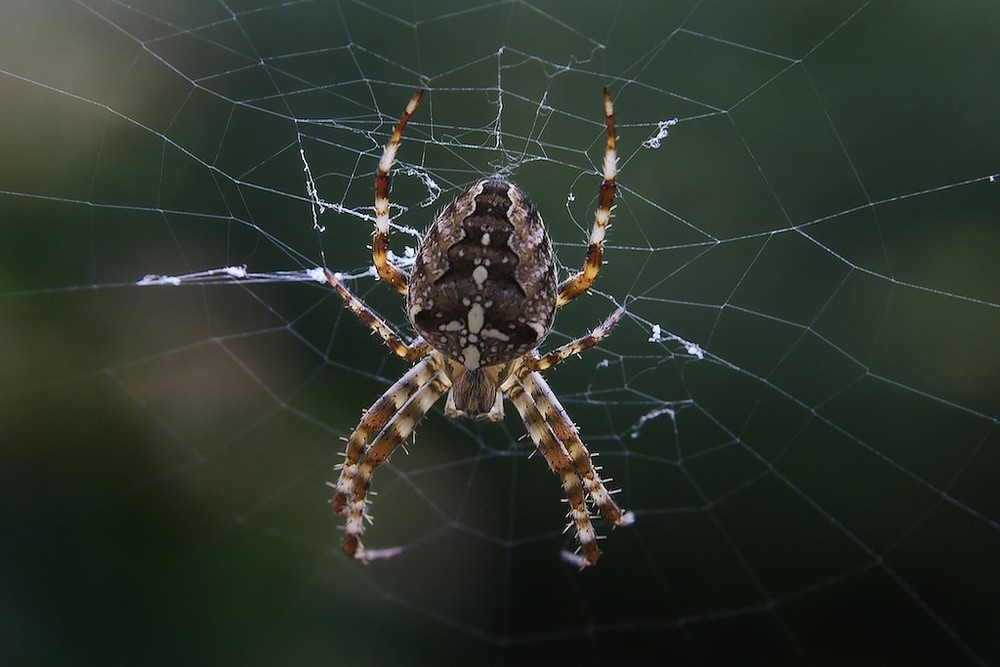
(800, 405)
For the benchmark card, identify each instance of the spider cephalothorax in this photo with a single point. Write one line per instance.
(482, 295)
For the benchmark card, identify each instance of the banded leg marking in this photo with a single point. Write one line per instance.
(356, 477)
(565, 431)
(576, 346)
(561, 464)
(380, 240)
(410, 352)
(581, 282)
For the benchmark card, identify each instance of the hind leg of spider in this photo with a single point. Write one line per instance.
(561, 464)
(565, 432)
(393, 416)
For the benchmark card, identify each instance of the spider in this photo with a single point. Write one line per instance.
(482, 295)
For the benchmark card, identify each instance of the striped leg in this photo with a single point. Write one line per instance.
(561, 464)
(574, 346)
(397, 413)
(380, 241)
(565, 432)
(410, 352)
(374, 419)
(581, 282)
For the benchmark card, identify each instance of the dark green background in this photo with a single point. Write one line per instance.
(821, 222)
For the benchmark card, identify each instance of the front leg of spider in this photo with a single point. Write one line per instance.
(482, 295)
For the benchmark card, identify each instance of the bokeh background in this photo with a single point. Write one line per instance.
(810, 443)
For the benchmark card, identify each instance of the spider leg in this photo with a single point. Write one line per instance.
(581, 282)
(380, 240)
(576, 346)
(409, 351)
(396, 413)
(374, 419)
(561, 426)
(560, 463)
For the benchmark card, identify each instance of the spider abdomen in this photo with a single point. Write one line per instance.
(483, 287)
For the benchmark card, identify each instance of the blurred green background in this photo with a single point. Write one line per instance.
(814, 483)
